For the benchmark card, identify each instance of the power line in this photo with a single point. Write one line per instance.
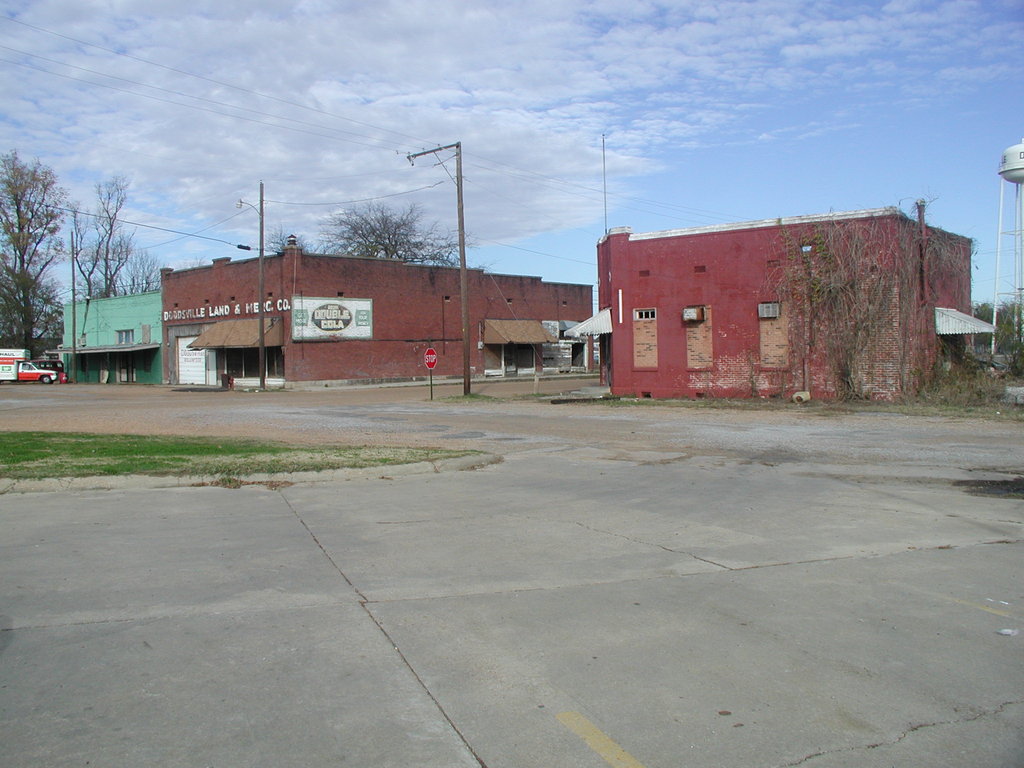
(215, 82)
(204, 229)
(365, 199)
(538, 253)
(196, 107)
(218, 107)
(153, 226)
(513, 171)
(164, 90)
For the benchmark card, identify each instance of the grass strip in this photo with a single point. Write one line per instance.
(39, 455)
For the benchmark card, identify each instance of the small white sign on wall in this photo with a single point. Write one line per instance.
(320, 319)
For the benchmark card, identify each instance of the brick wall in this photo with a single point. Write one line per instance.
(414, 306)
(729, 270)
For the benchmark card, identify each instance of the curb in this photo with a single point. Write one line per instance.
(144, 482)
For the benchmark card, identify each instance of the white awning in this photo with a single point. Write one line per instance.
(949, 322)
(593, 326)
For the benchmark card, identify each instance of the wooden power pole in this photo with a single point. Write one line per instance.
(463, 275)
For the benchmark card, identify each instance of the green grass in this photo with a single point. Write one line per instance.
(36, 455)
(472, 397)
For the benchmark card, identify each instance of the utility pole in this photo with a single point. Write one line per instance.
(259, 291)
(262, 290)
(604, 183)
(74, 310)
(463, 276)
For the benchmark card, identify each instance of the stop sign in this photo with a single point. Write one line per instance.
(430, 357)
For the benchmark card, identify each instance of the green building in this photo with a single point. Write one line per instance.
(115, 340)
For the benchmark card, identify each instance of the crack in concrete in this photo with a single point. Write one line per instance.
(651, 544)
(364, 604)
(912, 729)
(712, 562)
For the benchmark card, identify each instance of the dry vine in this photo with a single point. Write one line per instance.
(860, 289)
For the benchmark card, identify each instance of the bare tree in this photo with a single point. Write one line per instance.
(112, 247)
(380, 232)
(277, 239)
(140, 274)
(31, 203)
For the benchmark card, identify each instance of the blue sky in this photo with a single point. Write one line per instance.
(711, 112)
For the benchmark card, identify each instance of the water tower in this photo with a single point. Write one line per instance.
(1011, 169)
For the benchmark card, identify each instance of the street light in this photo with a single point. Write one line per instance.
(263, 342)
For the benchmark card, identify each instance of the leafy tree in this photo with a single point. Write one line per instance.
(1009, 332)
(378, 231)
(31, 203)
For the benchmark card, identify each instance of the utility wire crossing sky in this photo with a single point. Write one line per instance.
(671, 114)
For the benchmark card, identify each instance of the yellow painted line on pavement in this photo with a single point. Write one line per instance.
(598, 741)
(989, 606)
(983, 607)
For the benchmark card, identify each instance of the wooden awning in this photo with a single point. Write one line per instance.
(516, 332)
(240, 334)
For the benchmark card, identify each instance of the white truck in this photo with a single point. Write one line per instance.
(15, 365)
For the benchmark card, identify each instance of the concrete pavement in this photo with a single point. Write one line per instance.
(570, 606)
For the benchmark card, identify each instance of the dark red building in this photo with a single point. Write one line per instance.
(337, 318)
(838, 305)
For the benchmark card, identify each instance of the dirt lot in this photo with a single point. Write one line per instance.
(406, 416)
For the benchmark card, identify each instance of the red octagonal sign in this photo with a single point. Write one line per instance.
(430, 357)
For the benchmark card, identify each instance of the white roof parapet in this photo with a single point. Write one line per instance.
(867, 213)
(950, 322)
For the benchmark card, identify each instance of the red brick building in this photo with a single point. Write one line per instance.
(838, 305)
(337, 318)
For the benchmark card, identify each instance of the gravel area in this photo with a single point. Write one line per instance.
(407, 416)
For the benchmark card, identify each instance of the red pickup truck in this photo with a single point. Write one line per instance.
(15, 366)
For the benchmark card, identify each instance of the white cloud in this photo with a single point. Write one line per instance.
(349, 87)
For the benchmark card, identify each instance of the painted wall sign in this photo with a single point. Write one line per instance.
(331, 318)
(246, 309)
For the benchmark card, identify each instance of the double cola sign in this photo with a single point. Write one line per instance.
(331, 317)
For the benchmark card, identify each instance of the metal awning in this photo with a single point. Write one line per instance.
(593, 326)
(240, 334)
(516, 332)
(98, 350)
(950, 322)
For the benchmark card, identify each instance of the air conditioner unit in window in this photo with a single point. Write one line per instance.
(768, 310)
(693, 314)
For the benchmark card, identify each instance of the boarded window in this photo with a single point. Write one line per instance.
(775, 338)
(645, 338)
(699, 350)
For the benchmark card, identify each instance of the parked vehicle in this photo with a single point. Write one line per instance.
(49, 363)
(15, 365)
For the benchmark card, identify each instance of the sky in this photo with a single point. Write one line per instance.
(573, 115)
